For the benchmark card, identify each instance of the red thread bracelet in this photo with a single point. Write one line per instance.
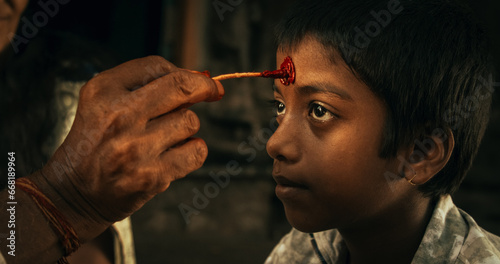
(65, 232)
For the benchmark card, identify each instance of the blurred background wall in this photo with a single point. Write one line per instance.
(238, 221)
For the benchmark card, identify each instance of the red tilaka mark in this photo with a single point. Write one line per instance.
(286, 73)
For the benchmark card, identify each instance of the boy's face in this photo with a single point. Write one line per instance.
(326, 147)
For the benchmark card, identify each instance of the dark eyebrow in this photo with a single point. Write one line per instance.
(325, 88)
(275, 89)
(321, 88)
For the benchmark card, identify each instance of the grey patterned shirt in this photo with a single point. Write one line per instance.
(452, 236)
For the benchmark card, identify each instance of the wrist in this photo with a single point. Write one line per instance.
(78, 212)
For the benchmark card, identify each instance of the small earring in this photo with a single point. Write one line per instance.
(411, 180)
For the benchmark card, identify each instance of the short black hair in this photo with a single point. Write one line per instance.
(427, 60)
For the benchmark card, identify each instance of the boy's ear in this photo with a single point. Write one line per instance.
(429, 155)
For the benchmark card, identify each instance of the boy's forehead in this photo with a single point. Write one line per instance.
(310, 49)
(323, 70)
(312, 59)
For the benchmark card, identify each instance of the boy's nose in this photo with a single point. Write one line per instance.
(284, 143)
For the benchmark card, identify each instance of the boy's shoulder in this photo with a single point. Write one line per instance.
(452, 236)
(480, 246)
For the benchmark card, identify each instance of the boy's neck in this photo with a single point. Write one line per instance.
(393, 238)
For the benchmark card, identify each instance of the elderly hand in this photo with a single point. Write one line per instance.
(130, 139)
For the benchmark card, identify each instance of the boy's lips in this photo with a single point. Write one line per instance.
(281, 180)
(288, 190)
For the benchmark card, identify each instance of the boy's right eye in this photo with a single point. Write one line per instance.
(280, 107)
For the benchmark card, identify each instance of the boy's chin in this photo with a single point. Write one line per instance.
(305, 223)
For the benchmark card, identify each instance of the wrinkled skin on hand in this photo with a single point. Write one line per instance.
(130, 139)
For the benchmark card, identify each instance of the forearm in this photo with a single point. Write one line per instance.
(34, 239)
(30, 234)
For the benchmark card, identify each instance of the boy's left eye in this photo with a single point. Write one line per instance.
(319, 112)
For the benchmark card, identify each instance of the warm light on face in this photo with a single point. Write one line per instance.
(326, 147)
